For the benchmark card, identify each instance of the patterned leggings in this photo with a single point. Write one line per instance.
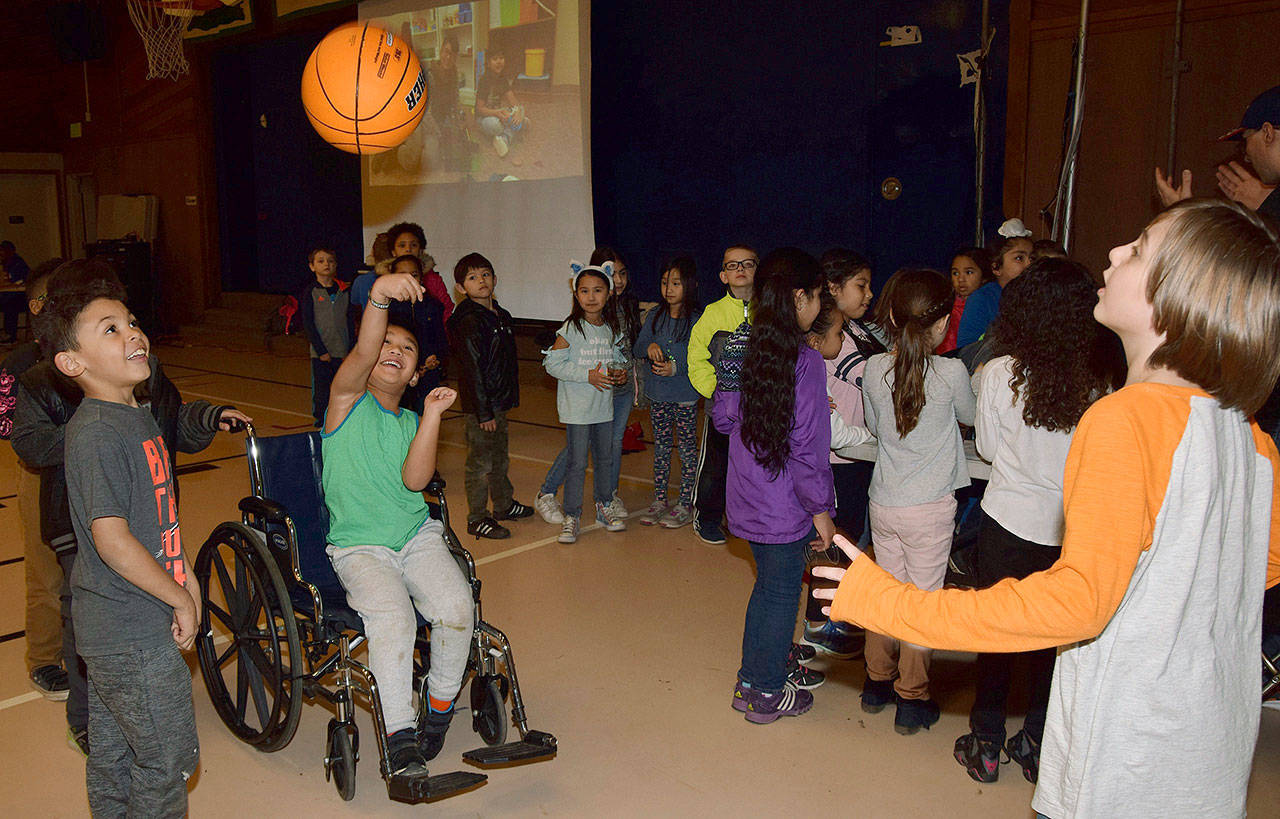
(669, 417)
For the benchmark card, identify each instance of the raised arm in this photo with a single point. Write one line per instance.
(420, 462)
(350, 380)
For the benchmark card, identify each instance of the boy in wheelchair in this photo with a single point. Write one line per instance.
(388, 552)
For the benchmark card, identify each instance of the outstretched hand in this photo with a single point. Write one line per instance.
(397, 287)
(1170, 194)
(834, 572)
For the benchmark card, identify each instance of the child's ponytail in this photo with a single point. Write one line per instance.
(917, 300)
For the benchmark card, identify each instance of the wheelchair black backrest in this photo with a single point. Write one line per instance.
(287, 470)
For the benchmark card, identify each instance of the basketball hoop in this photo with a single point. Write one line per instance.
(161, 23)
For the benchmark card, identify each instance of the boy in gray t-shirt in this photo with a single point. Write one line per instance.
(134, 602)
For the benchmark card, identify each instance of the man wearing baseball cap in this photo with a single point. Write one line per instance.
(1260, 131)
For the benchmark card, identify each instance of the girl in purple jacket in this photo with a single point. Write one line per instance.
(779, 493)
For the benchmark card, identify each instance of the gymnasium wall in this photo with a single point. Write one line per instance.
(1129, 54)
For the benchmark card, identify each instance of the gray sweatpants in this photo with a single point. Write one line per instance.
(383, 586)
(142, 733)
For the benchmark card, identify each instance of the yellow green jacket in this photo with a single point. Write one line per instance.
(725, 315)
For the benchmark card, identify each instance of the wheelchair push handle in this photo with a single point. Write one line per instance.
(236, 425)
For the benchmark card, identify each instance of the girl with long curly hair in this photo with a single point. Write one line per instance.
(911, 401)
(778, 494)
(1030, 398)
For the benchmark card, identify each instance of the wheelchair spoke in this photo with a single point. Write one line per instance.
(242, 686)
(258, 692)
(224, 578)
(217, 611)
(226, 655)
(261, 662)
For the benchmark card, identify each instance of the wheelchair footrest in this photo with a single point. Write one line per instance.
(536, 746)
(415, 789)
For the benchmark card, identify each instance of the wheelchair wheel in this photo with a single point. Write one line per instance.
(489, 709)
(250, 679)
(340, 761)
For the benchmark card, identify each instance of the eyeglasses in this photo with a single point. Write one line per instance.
(747, 265)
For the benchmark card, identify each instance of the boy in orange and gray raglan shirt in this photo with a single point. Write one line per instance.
(1172, 533)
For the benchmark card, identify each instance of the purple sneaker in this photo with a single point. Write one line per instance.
(742, 698)
(791, 701)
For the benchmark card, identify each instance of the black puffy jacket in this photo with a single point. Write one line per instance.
(46, 401)
(484, 344)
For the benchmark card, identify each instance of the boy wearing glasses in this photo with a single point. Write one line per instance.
(719, 320)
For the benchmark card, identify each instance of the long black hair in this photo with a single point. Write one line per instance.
(769, 370)
(1060, 360)
(687, 270)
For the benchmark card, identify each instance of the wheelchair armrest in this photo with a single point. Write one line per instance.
(436, 485)
(264, 508)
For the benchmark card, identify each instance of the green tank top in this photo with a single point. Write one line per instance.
(368, 502)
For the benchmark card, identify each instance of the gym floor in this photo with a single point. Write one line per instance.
(626, 643)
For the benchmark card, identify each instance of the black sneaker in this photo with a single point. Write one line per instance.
(839, 641)
(1025, 751)
(708, 531)
(488, 527)
(78, 739)
(518, 510)
(876, 694)
(915, 714)
(802, 653)
(50, 681)
(431, 732)
(980, 757)
(404, 758)
(802, 676)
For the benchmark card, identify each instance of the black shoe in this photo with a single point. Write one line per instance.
(404, 758)
(50, 681)
(431, 733)
(488, 527)
(708, 531)
(78, 739)
(518, 510)
(980, 757)
(876, 694)
(1025, 751)
(915, 714)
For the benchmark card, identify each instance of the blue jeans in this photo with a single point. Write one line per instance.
(771, 612)
(582, 436)
(622, 403)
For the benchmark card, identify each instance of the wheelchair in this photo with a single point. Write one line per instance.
(269, 585)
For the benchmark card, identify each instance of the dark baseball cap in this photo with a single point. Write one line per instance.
(1264, 108)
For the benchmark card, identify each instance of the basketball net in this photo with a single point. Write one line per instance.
(162, 24)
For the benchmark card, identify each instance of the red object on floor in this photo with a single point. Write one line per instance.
(631, 440)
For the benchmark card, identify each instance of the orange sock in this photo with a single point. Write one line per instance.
(439, 706)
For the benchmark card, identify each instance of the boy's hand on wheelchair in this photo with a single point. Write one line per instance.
(439, 400)
(397, 287)
(233, 420)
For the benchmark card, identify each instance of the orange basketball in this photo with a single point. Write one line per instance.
(363, 89)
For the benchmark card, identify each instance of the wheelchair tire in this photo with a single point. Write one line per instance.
(257, 666)
(341, 760)
(489, 709)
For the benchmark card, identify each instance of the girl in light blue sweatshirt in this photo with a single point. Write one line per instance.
(582, 360)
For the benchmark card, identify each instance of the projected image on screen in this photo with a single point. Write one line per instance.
(504, 92)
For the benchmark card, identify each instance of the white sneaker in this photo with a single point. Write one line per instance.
(569, 531)
(655, 512)
(549, 508)
(677, 517)
(500, 145)
(616, 508)
(606, 518)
